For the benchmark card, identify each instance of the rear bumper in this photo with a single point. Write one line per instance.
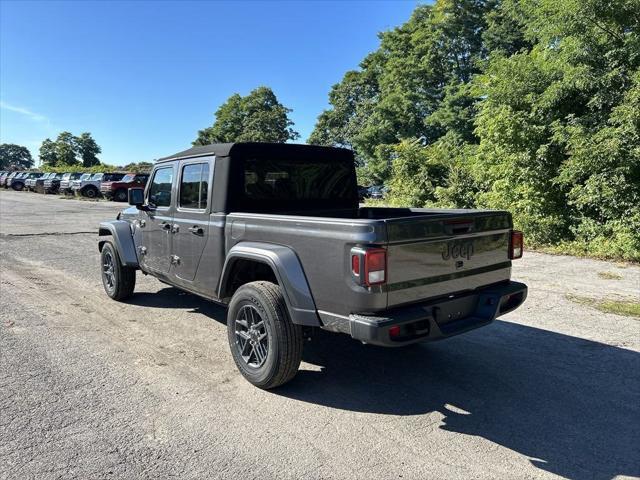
(438, 319)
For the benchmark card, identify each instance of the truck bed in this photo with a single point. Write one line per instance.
(430, 253)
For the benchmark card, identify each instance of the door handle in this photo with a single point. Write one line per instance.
(196, 230)
(165, 226)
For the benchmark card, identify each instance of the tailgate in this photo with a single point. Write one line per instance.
(441, 254)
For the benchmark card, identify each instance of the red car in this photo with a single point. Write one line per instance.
(118, 190)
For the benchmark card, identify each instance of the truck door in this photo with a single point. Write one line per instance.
(191, 218)
(156, 224)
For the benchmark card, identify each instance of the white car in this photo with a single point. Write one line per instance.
(90, 186)
(68, 178)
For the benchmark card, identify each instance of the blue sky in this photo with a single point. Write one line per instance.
(144, 76)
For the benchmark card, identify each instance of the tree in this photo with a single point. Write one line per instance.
(257, 117)
(14, 156)
(48, 153)
(66, 149)
(88, 149)
(525, 105)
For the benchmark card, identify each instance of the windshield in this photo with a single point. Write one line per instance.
(112, 177)
(85, 176)
(128, 178)
(97, 176)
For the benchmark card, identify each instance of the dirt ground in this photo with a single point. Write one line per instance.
(91, 388)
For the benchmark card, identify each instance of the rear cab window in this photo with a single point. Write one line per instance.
(194, 186)
(296, 184)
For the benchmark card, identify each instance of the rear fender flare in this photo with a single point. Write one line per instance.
(288, 271)
(119, 233)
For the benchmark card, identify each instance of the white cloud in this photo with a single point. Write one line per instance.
(36, 117)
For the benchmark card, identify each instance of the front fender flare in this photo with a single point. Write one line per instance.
(288, 271)
(119, 232)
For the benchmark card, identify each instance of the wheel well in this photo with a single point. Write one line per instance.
(103, 233)
(246, 271)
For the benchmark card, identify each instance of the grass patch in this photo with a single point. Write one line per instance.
(619, 307)
(609, 276)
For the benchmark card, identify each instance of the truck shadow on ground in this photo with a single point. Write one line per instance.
(571, 405)
(170, 297)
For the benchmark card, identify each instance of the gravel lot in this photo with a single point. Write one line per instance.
(91, 388)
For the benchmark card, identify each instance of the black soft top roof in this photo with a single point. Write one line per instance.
(253, 148)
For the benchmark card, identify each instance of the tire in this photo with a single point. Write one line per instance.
(18, 186)
(120, 195)
(90, 192)
(276, 352)
(118, 281)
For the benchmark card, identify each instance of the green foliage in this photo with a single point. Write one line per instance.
(48, 153)
(258, 117)
(101, 168)
(140, 167)
(13, 157)
(531, 106)
(66, 149)
(70, 151)
(88, 149)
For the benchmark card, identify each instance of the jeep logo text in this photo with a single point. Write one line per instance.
(458, 250)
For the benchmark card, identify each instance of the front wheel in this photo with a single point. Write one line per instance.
(118, 281)
(90, 192)
(120, 195)
(265, 344)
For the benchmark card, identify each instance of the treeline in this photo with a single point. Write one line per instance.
(67, 153)
(67, 150)
(532, 106)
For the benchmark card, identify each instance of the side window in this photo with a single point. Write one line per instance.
(160, 189)
(194, 186)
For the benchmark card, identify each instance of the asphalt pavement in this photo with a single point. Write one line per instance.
(91, 388)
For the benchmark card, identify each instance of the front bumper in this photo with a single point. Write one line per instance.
(438, 319)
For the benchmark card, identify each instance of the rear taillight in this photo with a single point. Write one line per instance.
(516, 245)
(369, 266)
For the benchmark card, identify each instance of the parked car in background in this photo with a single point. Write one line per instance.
(37, 184)
(48, 182)
(90, 188)
(3, 174)
(376, 192)
(52, 185)
(69, 178)
(4, 181)
(19, 181)
(117, 190)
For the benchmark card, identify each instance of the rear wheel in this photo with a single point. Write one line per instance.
(265, 344)
(120, 195)
(118, 281)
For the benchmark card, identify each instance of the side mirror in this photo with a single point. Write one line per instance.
(136, 197)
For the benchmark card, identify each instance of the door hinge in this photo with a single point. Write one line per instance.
(175, 260)
(142, 250)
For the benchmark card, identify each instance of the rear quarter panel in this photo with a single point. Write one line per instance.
(323, 247)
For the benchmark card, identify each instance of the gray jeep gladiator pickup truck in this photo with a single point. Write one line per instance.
(275, 231)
